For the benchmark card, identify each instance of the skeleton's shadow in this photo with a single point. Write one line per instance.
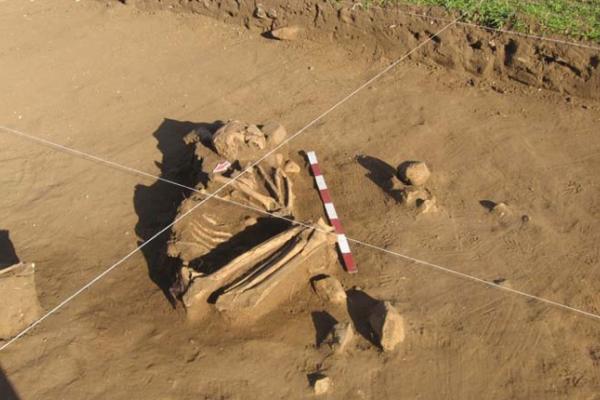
(156, 204)
(7, 391)
(8, 255)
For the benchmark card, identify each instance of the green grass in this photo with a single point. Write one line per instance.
(579, 19)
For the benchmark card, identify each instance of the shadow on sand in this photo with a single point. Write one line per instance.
(7, 391)
(381, 173)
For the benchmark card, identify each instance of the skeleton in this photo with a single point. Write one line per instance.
(223, 261)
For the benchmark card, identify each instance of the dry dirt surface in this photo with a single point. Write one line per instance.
(127, 84)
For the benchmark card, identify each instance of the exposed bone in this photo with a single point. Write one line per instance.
(289, 196)
(251, 295)
(268, 181)
(270, 266)
(201, 288)
(279, 183)
(267, 273)
(267, 202)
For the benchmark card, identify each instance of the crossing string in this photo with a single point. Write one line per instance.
(208, 196)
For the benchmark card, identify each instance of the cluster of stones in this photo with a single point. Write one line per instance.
(414, 175)
(386, 324)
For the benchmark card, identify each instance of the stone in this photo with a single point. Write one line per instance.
(340, 337)
(18, 298)
(291, 167)
(275, 133)
(322, 385)
(501, 210)
(388, 325)
(427, 206)
(414, 196)
(414, 173)
(286, 33)
(260, 12)
(330, 289)
(272, 13)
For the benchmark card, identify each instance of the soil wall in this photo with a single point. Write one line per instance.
(388, 32)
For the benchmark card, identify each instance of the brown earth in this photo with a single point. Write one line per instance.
(126, 84)
(387, 32)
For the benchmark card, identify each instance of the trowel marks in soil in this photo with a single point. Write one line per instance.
(385, 32)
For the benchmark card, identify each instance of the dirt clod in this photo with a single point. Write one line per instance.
(286, 33)
(414, 173)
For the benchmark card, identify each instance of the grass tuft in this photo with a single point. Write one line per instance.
(579, 19)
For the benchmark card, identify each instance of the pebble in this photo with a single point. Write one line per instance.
(260, 12)
(286, 33)
(501, 210)
(291, 167)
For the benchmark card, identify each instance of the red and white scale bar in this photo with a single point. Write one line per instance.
(342, 241)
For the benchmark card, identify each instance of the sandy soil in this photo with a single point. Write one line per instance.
(125, 85)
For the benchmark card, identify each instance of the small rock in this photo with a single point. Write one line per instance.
(501, 210)
(322, 385)
(291, 167)
(414, 196)
(275, 132)
(260, 12)
(345, 15)
(414, 173)
(388, 325)
(330, 289)
(286, 33)
(427, 206)
(272, 13)
(341, 336)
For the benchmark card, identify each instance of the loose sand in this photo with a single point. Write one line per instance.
(123, 84)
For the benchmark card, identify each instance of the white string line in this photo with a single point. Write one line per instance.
(500, 30)
(230, 182)
(309, 226)
(96, 279)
